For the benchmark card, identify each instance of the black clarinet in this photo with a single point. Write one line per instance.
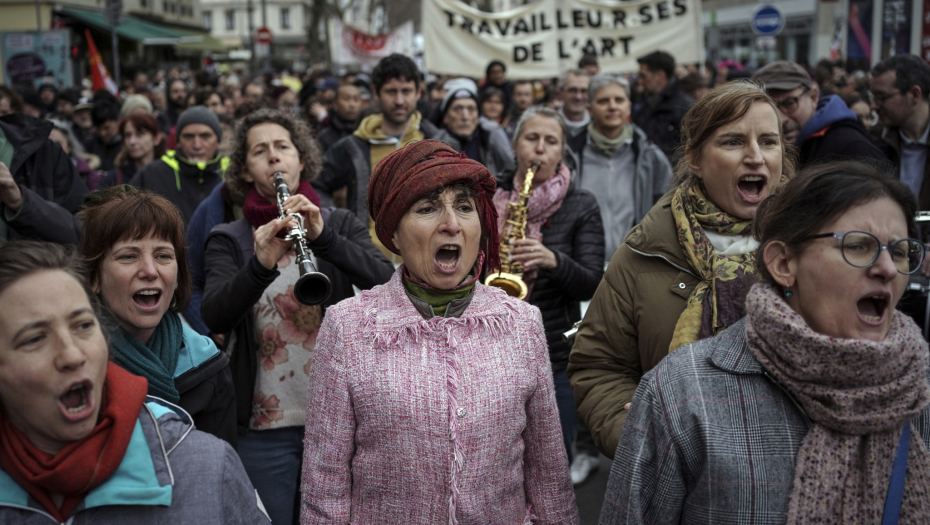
(312, 287)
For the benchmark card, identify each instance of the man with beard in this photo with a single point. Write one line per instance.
(177, 103)
(465, 130)
(186, 176)
(343, 120)
(349, 162)
(822, 127)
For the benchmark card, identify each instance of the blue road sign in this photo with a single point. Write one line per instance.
(767, 20)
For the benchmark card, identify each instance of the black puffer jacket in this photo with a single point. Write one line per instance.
(235, 281)
(575, 234)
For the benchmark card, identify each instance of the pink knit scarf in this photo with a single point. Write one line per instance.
(544, 201)
(859, 394)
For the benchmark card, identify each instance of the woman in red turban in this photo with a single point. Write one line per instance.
(431, 397)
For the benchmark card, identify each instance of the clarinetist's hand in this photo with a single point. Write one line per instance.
(268, 247)
(532, 253)
(313, 220)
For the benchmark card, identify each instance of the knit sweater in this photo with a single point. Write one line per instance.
(446, 420)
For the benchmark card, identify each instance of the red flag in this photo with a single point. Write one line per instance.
(98, 70)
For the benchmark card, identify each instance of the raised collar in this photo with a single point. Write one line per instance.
(731, 352)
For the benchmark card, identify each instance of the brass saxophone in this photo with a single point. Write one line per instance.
(510, 276)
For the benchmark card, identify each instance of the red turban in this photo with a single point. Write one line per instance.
(413, 172)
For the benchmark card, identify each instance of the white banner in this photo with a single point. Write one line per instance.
(547, 37)
(349, 46)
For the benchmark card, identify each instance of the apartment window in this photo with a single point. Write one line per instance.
(285, 18)
(144, 3)
(230, 19)
(173, 6)
(164, 5)
(208, 19)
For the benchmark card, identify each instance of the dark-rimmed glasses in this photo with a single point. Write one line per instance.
(790, 104)
(881, 98)
(861, 249)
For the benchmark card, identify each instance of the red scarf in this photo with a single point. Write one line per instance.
(258, 211)
(82, 465)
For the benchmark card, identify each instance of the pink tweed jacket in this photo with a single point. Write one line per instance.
(441, 421)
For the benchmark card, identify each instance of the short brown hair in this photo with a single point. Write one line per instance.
(21, 258)
(124, 213)
(819, 195)
(307, 148)
(723, 105)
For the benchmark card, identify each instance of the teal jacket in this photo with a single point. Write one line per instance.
(170, 474)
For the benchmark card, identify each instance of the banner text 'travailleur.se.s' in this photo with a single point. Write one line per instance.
(547, 37)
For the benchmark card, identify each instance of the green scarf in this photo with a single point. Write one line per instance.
(438, 299)
(155, 361)
(609, 146)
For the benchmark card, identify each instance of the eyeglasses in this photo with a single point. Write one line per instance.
(577, 91)
(790, 104)
(881, 98)
(861, 249)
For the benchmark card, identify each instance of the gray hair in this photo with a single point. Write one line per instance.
(606, 79)
(572, 72)
(540, 111)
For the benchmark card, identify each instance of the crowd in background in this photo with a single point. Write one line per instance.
(622, 187)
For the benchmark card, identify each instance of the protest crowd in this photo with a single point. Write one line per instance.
(396, 297)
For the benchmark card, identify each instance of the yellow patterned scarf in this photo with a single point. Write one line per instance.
(719, 299)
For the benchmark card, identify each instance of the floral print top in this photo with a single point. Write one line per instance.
(287, 333)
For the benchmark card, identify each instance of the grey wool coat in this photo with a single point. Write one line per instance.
(711, 439)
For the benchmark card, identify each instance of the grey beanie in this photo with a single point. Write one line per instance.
(199, 115)
(457, 88)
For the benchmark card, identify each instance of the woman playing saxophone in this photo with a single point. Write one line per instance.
(562, 254)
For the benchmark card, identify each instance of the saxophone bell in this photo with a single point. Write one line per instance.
(312, 287)
(509, 276)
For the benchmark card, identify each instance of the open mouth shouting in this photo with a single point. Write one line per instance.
(148, 299)
(77, 402)
(873, 308)
(447, 258)
(752, 188)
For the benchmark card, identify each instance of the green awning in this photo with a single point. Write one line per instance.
(194, 41)
(148, 33)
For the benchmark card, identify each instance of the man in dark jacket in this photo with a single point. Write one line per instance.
(40, 190)
(665, 104)
(900, 85)
(465, 130)
(342, 121)
(177, 101)
(348, 162)
(186, 176)
(823, 128)
(106, 142)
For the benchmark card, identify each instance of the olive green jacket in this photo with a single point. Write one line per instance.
(629, 324)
